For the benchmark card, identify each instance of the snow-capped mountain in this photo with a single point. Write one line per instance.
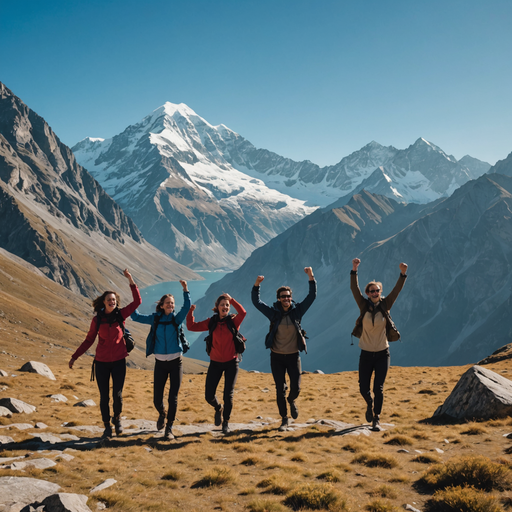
(168, 173)
(208, 197)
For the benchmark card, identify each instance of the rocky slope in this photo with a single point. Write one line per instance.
(454, 307)
(56, 216)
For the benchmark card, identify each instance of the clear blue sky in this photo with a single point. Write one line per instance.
(308, 79)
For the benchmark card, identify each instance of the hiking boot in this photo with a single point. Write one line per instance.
(376, 423)
(369, 413)
(107, 433)
(168, 432)
(160, 422)
(117, 425)
(284, 425)
(225, 427)
(294, 411)
(218, 416)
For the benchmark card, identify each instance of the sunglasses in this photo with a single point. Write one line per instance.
(373, 291)
(285, 296)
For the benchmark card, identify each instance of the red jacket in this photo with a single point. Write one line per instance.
(223, 346)
(111, 346)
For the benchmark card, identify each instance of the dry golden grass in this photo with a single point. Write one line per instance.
(260, 470)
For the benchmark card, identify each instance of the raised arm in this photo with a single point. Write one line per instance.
(179, 317)
(194, 326)
(258, 303)
(390, 299)
(354, 284)
(239, 318)
(136, 299)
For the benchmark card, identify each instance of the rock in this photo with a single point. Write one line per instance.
(63, 502)
(85, 403)
(3, 373)
(65, 456)
(39, 368)
(19, 426)
(23, 491)
(479, 394)
(5, 412)
(41, 425)
(58, 398)
(17, 406)
(411, 508)
(438, 450)
(104, 485)
(35, 463)
(6, 440)
(47, 438)
(69, 437)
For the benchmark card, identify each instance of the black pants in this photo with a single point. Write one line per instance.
(370, 362)
(280, 365)
(116, 369)
(215, 371)
(172, 370)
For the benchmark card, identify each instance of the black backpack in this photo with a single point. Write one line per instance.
(179, 328)
(238, 339)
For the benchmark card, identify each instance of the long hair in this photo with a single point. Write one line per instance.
(99, 302)
(283, 289)
(222, 297)
(160, 303)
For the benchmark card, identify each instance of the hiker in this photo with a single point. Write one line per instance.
(285, 340)
(110, 358)
(164, 341)
(222, 352)
(372, 329)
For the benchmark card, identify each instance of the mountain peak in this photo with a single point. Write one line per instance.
(172, 108)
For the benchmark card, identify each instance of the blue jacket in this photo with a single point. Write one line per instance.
(166, 340)
(275, 313)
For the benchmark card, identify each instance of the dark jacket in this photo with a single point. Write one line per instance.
(275, 313)
(366, 305)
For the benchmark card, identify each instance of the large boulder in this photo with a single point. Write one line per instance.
(16, 406)
(23, 491)
(39, 368)
(480, 394)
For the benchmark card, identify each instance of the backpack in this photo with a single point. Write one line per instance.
(238, 339)
(179, 328)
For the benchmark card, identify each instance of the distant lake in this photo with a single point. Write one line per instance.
(151, 295)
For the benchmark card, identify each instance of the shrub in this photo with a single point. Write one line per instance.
(462, 499)
(217, 476)
(400, 441)
(380, 506)
(314, 497)
(251, 461)
(478, 472)
(373, 460)
(265, 506)
(172, 475)
(330, 476)
(275, 485)
(384, 491)
(425, 458)
(474, 431)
